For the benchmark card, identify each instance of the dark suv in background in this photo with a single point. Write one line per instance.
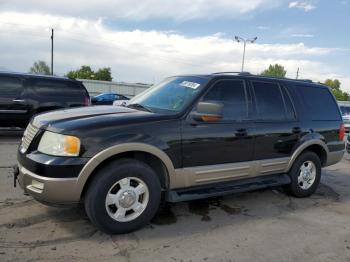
(186, 138)
(24, 95)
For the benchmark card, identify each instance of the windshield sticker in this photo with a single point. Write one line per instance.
(190, 84)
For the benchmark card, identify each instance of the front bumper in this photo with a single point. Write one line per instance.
(48, 190)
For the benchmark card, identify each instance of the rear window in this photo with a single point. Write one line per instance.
(58, 88)
(319, 103)
(10, 86)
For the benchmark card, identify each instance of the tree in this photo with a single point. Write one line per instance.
(103, 74)
(334, 84)
(40, 67)
(85, 72)
(275, 71)
(336, 90)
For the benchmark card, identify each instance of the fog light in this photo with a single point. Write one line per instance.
(37, 185)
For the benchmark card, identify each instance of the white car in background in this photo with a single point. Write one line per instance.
(346, 120)
(120, 102)
(345, 111)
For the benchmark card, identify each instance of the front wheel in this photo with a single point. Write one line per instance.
(123, 196)
(305, 175)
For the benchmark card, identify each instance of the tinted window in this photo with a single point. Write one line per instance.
(61, 88)
(320, 103)
(232, 94)
(269, 101)
(290, 113)
(10, 86)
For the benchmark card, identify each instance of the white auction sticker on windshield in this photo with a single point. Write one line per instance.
(190, 84)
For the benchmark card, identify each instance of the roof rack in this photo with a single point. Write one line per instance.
(305, 80)
(236, 73)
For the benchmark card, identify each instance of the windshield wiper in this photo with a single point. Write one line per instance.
(140, 107)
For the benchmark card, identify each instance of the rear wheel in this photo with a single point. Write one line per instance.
(305, 175)
(124, 196)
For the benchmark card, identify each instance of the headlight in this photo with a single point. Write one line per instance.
(59, 145)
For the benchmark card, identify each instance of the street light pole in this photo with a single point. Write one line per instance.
(245, 41)
(51, 51)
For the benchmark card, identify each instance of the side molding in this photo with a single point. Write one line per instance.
(122, 148)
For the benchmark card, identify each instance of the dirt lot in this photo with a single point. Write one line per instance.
(259, 226)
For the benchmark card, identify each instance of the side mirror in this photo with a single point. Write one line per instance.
(208, 112)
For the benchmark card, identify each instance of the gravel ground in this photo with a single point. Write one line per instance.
(264, 225)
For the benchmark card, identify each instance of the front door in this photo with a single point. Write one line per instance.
(13, 110)
(216, 151)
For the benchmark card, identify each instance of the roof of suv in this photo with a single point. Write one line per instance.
(30, 75)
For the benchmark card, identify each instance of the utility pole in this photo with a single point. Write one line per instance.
(297, 73)
(51, 51)
(245, 41)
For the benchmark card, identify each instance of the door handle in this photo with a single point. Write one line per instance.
(18, 100)
(241, 132)
(296, 130)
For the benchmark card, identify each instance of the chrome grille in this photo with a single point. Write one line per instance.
(28, 136)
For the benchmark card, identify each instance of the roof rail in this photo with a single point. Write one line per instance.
(237, 73)
(305, 80)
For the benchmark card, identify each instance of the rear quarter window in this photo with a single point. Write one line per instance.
(54, 88)
(10, 86)
(319, 103)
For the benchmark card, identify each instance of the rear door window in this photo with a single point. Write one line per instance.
(319, 103)
(10, 86)
(269, 101)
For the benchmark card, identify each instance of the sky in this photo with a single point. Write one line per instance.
(145, 41)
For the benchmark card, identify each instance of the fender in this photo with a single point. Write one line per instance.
(117, 149)
(302, 147)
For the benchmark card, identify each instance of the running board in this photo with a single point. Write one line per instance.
(227, 188)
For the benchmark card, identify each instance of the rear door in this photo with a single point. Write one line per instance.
(13, 105)
(277, 125)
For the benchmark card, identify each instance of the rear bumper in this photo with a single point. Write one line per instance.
(334, 157)
(51, 191)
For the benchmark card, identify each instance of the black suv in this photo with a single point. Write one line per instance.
(24, 95)
(187, 138)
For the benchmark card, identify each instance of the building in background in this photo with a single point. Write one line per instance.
(96, 87)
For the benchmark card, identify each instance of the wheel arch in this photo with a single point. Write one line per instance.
(149, 154)
(314, 145)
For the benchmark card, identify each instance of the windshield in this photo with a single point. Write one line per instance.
(170, 96)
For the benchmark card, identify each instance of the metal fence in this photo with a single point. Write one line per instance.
(95, 87)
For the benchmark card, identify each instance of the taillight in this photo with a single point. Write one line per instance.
(341, 132)
(87, 101)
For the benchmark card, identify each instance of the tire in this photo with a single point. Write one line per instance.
(305, 186)
(117, 213)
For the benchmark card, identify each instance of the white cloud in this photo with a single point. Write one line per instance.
(144, 56)
(302, 35)
(262, 27)
(179, 10)
(305, 5)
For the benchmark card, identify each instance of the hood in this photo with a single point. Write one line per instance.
(89, 117)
